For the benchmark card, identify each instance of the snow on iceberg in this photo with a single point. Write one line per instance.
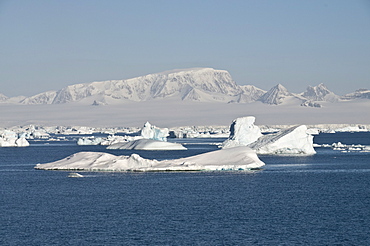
(294, 140)
(147, 144)
(153, 132)
(242, 132)
(238, 158)
(11, 139)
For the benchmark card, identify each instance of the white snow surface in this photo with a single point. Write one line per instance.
(294, 140)
(242, 132)
(147, 144)
(238, 158)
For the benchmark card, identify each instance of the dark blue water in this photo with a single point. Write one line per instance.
(316, 200)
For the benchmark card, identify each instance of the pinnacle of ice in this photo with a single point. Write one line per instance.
(152, 132)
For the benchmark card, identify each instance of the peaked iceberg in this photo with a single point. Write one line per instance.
(242, 132)
(153, 132)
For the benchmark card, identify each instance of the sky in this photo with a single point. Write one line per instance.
(49, 44)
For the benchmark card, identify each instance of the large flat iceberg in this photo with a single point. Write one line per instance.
(238, 158)
(147, 144)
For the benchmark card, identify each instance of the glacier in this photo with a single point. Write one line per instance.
(238, 158)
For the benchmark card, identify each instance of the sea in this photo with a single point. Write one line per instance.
(323, 199)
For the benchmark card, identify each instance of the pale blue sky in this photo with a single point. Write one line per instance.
(49, 44)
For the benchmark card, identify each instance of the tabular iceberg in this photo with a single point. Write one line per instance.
(238, 158)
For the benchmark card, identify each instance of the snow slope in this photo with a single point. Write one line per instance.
(294, 140)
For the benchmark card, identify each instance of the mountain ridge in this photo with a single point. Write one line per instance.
(192, 84)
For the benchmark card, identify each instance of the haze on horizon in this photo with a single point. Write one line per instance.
(47, 45)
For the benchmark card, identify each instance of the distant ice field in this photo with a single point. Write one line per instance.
(171, 113)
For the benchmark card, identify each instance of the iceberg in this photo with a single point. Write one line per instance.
(238, 158)
(147, 144)
(294, 140)
(153, 132)
(242, 132)
(11, 139)
(89, 141)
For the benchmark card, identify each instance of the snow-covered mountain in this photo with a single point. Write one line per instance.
(320, 93)
(200, 84)
(275, 95)
(194, 84)
(359, 94)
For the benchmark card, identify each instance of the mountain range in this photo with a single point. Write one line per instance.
(196, 84)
